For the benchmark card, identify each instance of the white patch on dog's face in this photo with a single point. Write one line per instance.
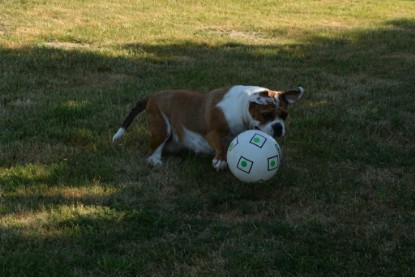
(263, 99)
(249, 107)
(268, 112)
(264, 112)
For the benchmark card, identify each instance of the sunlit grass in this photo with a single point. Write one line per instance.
(56, 222)
(116, 23)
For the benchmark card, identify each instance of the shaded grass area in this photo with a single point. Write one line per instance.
(342, 202)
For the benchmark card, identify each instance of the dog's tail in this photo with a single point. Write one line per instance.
(139, 107)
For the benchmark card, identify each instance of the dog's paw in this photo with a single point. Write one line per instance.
(219, 164)
(154, 161)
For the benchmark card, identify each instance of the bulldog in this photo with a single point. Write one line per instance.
(206, 122)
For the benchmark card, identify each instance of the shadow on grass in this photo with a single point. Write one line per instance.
(59, 108)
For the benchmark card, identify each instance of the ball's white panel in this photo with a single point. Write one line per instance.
(254, 156)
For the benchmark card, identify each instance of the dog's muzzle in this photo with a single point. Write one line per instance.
(278, 129)
(275, 128)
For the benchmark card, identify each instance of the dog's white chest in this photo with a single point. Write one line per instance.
(196, 142)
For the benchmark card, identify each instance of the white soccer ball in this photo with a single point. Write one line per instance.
(254, 156)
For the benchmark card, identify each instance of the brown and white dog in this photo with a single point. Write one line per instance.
(206, 122)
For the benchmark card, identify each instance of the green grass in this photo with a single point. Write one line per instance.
(73, 204)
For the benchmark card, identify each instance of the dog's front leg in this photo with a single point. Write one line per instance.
(214, 139)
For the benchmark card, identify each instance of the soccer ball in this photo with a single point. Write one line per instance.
(253, 156)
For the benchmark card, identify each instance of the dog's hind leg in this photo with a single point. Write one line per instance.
(160, 131)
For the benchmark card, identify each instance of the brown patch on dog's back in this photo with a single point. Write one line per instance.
(201, 114)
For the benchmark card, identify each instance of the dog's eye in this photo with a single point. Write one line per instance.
(268, 116)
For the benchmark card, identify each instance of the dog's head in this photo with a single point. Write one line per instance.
(269, 109)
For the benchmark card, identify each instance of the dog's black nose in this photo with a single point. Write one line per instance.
(278, 130)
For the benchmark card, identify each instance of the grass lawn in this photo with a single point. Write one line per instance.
(74, 204)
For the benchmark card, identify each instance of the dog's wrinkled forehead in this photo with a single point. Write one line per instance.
(263, 98)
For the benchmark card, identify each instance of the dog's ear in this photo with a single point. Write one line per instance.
(291, 96)
(262, 98)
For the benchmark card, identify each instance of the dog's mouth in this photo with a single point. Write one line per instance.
(274, 129)
(259, 127)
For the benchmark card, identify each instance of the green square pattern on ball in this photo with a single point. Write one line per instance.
(258, 140)
(244, 164)
(273, 163)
